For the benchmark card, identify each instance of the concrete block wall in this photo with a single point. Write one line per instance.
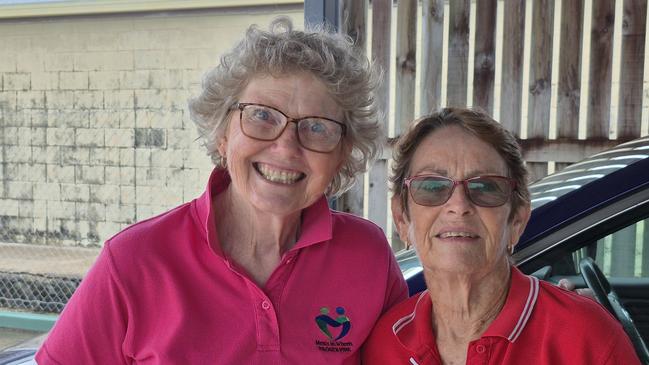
(95, 133)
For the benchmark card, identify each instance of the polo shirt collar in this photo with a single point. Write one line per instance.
(415, 331)
(521, 299)
(316, 219)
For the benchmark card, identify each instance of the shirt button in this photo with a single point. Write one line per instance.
(480, 349)
(265, 305)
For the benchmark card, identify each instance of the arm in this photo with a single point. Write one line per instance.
(93, 325)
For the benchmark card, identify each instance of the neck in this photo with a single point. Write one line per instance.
(253, 239)
(464, 305)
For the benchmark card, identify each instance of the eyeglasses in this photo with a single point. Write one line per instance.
(483, 191)
(265, 123)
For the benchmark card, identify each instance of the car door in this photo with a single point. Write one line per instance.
(619, 246)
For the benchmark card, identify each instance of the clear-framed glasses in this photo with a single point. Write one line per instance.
(483, 191)
(266, 123)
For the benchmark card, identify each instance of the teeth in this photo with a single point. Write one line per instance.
(456, 234)
(278, 176)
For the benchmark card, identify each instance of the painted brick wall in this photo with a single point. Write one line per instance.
(95, 133)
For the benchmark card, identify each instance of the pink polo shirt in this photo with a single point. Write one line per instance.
(158, 294)
(540, 324)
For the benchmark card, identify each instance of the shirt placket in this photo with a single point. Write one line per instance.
(478, 353)
(267, 307)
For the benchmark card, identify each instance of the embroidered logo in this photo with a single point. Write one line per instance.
(324, 321)
(328, 325)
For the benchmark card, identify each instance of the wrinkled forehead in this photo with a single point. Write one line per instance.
(296, 95)
(457, 153)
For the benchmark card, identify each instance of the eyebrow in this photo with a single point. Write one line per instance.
(443, 172)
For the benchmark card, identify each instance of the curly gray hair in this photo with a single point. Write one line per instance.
(331, 57)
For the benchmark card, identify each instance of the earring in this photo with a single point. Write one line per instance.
(510, 249)
(222, 162)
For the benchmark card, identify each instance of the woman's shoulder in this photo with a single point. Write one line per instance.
(564, 320)
(153, 230)
(352, 224)
(571, 307)
(368, 239)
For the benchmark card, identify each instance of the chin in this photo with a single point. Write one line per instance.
(276, 204)
(456, 265)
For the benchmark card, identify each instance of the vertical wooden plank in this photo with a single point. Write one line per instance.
(572, 14)
(560, 166)
(512, 67)
(599, 84)
(432, 43)
(353, 20)
(378, 194)
(540, 69)
(406, 63)
(381, 26)
(537, 170)
(632, 61)
(321, 11)
(353, 17)
(484, 67)
(378, 186)
(458, 52)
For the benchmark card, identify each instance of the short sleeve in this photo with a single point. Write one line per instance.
(397, 289)
(93, 325)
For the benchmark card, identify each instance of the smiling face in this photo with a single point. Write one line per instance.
(281, 176)
(458, 236)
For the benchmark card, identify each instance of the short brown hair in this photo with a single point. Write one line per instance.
(474, 122)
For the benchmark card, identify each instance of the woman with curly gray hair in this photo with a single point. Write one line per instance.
(258, 270)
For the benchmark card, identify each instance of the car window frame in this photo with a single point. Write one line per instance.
(581, 232)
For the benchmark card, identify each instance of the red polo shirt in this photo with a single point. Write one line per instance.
(539, 324)
(159, 294)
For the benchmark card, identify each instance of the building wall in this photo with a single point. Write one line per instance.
(95, 133)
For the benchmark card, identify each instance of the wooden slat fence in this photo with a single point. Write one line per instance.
(541, 92)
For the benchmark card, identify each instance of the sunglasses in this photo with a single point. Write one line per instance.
(484, 191)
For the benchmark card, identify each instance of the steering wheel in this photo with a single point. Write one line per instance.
(606, 296)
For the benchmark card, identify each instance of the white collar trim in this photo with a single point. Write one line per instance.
(527, 310)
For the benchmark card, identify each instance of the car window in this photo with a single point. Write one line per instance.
(623, 253)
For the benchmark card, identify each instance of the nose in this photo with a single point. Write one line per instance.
(459, 202)
(288, 139)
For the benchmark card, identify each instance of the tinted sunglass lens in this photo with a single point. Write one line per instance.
(430, 191)
(489, 191)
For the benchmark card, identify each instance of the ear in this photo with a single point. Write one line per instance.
(223, 146)
(346, 150)
(519, 222)
(400, 218)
